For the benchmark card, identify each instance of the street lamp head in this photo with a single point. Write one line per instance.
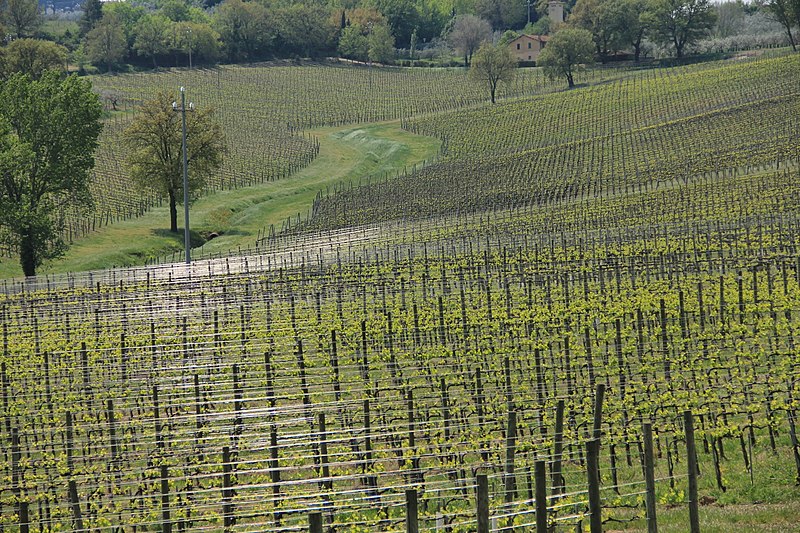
(182, 89)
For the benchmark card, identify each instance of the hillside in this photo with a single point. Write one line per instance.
(584, 316)
(271, 115)
(640, 133)
(264, 112)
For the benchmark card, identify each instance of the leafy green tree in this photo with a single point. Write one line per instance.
(412, 46)
(679, 23)
(151, 37)
(198, 40)
(566, 51)
(508, 36)
(502, 13)
(206, 43)
(402, 16)
(92, 13)
(353, 44)
(106, 43)
(364, 17)
(305, 30)
(32, 57)
(127, 14)
(597, 16)
(381, 44)
(175, 10)
(629, 22)
(155, 157)
(244, 28)
(491, 65)
(22, 17)
(48, 133)
(431, 21)
(540, 27)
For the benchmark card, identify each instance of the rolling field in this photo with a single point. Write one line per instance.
(603, 140)
(265, 112)
(575, 270)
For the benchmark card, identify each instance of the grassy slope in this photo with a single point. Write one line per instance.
(238, 215)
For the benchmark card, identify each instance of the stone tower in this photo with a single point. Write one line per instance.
(555, 10)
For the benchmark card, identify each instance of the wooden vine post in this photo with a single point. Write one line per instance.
(315, 522)
(691, 464)
(593, 479)
(228, 517)
(649, 478)
(412, 512)
(483, 503)
(540, 474)
(511, 446)
(558, 451)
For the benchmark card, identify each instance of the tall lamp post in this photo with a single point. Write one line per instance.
(183, 109)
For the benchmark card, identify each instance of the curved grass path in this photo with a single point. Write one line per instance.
(238, 215)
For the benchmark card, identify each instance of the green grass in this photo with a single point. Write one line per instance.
(57, 28)
(763, 518)
(769, 502)
(238, 215)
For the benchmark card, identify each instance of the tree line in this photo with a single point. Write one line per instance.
(600, 29)
(182, 32)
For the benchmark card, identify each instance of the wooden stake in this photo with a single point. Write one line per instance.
(649, 478)
(691, 463)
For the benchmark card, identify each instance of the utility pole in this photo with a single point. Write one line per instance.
(183, 109)
(189, 41)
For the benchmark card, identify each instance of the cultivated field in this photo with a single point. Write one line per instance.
(264, 112)
(634, 241)
(641, 133)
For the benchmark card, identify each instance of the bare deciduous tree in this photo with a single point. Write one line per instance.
(467, 35)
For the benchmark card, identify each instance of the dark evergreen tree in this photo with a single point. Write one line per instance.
(92, 12)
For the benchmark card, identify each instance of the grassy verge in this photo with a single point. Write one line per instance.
(769, 501)
(762, 518)
(238, 215)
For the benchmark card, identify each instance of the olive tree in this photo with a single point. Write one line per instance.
(565, 52)
(491, 65)
(680, 23)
